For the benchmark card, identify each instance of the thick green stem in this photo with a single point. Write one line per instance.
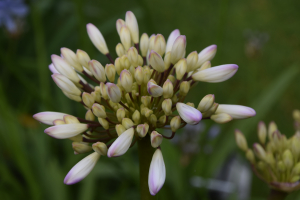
(277, 195)
(145, 156)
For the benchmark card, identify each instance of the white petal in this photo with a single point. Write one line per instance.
(48, 117)
(82, 169)
(121, 144)
(236, 111)
(157, 173)
(171, 39)
(216, 74)
(207, 54)
(66, 130)
(189, 114)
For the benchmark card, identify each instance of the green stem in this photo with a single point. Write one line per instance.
(277, 195)
(145, 156)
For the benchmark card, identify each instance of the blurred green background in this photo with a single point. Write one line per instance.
(261, 36)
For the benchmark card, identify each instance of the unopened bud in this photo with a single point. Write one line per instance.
(58, 122)
(184, 88)
(71, 58)
(118, 66)
(98, 70)
(148, 112)
(83, 58)
(167, 106)
(241, 140)
(154, 90)
(96, 96)
(145, 100)
(156, 139)
(178, 49)
(144, 44)
(205, 65)
(171, 39)
(104, 123)
(280, 166)
(88, 99)
(89, 115)
(97, 38)
(132, 55)
(120, 50)
(192, 61)
(119, 24)
(125, 62)
(172, 79)
(64, 68)
(125, 37)
(207, 54)
(156, 61)
(136, 117)
(180, 67)
(103, 91)
(142, 129)
(69, 119)
(262, 132)
(175, 123)
(162, 119)
(159, 44)
(287, 158)
(259, 151)
(132, 25)
(100, 148)
(110, 72)
(113, 92)
(65, 84)
(153, 120)
(167, 60)
(72, 97)
(126, 80)
(121, 114)
(210, 111)
(99, 110)
(271, 129)
(138, 75)
(168, 89)
(206, 103)
(81, 147)
(120, 129)
(127, 123)
(250, 156)
(221, 118)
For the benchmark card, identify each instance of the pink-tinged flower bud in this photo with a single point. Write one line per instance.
(133, 26)
(142, 129)
(66, 130)
(71, 58)
(171, 39)
(156, 61)
(82, 169)
(178, 49)
(83, 58)
(98, 70)
(221, 118)
(121, 144)
(65, 84)
(216, 74)
(64, 68)
(113, 92)
(236, 111)
(154, 90)
(144, 44)
(126, 80)
(207, 54)
(53, 69)
(48, 117)
(156, 139)
(157, 173)
(189, 114)
(119, 24)
(125, 37)
(97, 38)
(159, 44)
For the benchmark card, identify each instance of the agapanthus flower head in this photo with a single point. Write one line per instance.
(275, 159)
(134, 95)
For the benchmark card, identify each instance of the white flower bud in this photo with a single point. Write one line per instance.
(159, 44)
(144, 44)
(65, 84)
(66, 130)
(64, 68)
(207, 54)
(178, 49)
(110, 72)
(121, 144)
(132, 25)
(83, 58)
(71, 58)
(156, 139)
(236, 111)
(48, 117)
(113, 92)
(98, 70)
(97, 38)
(156, 61)
(126, 80)
(221, 118)
(125, 37)
(154, 90)
(171, 39)
(189, 114)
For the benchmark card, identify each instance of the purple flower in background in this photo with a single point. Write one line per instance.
(10, 12)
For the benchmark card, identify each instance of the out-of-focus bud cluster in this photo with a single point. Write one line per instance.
(275, 158)
(135, 94)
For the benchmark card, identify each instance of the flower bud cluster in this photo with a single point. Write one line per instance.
(275, 158)
(134, 95)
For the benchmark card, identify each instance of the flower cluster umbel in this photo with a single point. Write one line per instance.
(276, 161)
(134, 95)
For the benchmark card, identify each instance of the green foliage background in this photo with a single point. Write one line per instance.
(33, 165)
